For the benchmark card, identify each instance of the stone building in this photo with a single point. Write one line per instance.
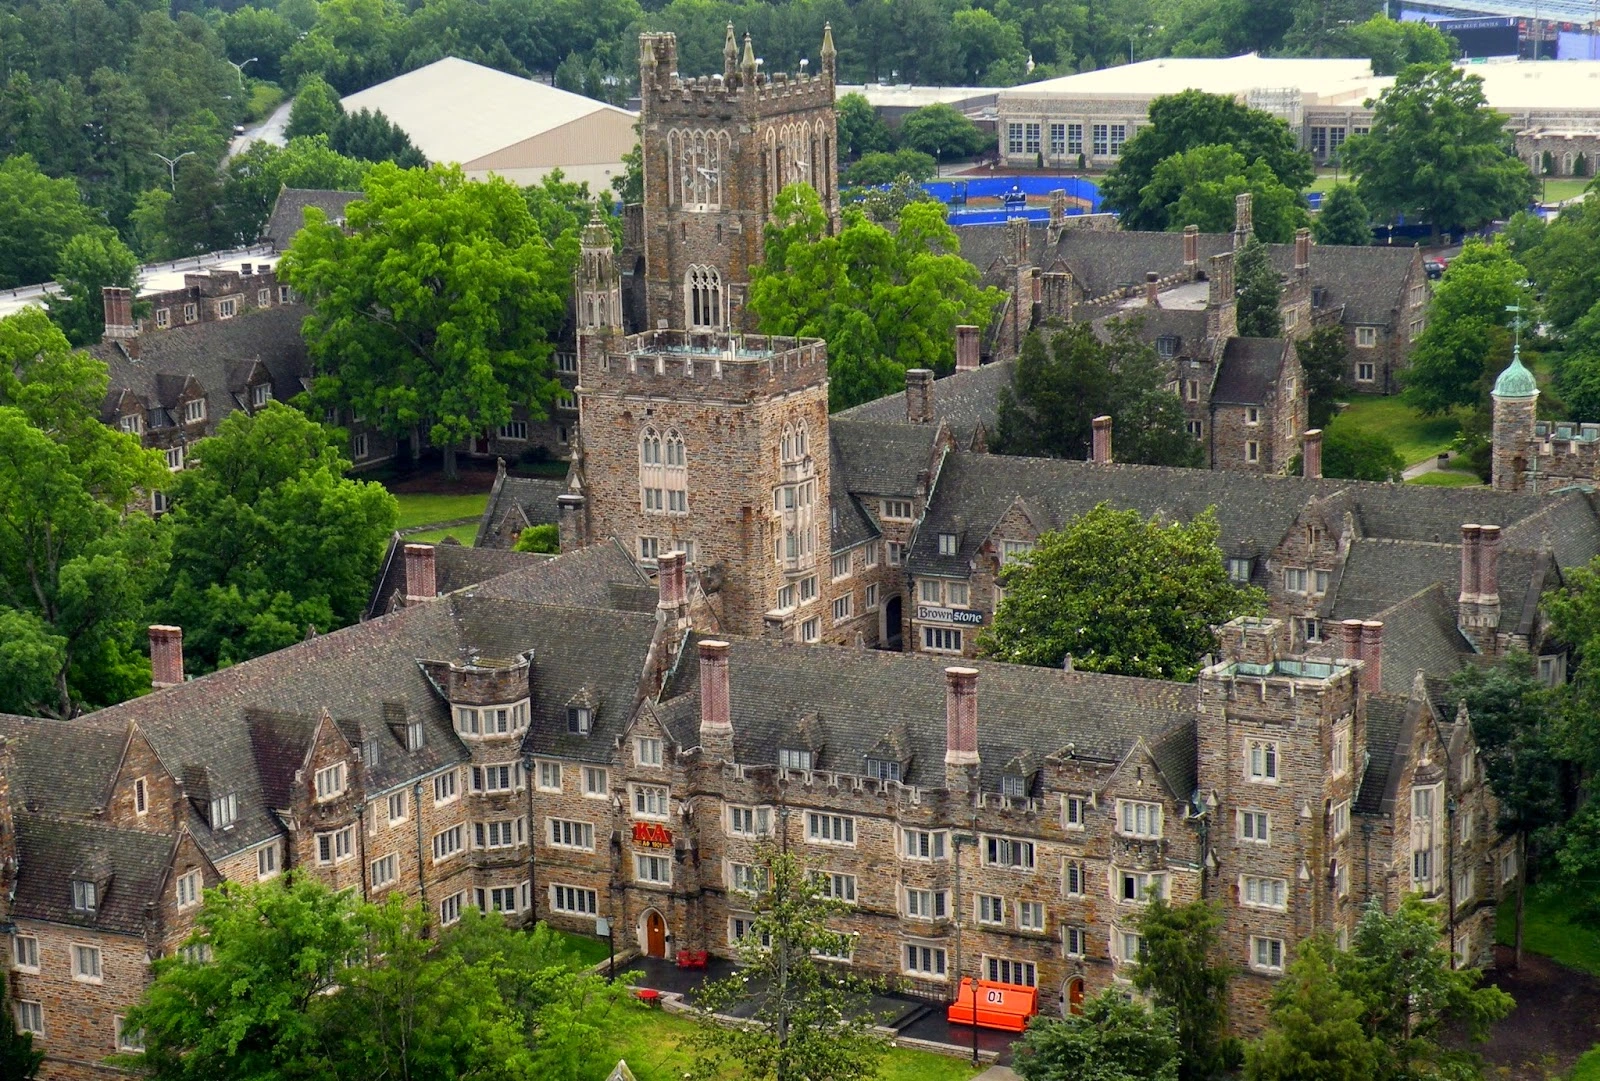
(716, 151)
(1532, 455)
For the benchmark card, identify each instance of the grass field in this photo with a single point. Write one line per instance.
(1417, 438)
(1546, 930)
(1567, 188)
(419, 509)
(655, 1047)
(1447, 478)
(1587, 1067)
(588, 949)
(464, 535)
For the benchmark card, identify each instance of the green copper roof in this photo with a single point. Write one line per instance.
(1516, 381)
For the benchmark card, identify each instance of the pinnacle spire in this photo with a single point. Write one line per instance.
(749, 62)
(829, 54)
(730, 54)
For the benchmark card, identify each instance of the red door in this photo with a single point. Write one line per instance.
(1075, 995)
(655, 935)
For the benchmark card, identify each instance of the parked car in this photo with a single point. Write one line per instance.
(1434, 267)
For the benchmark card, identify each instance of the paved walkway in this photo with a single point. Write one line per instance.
(997, 1073)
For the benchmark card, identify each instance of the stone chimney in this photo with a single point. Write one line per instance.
(1302, 253)
(716, 711)
(1102, 441)
(118, 304)
(1253, 640)
(1191, 250)
(1311, 454)
(572, 520)
(1243, 224)
(421, 580)
(961, 728)
(1058, 215)
(1350, 639)
(166, 656)
(1152, 289)
(919, 395)
(967, 359)
(1372, 656)
(1220, 281)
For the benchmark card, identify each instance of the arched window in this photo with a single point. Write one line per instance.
(1566, 164)
(694, 167)
(663, 472)
(795, 443)
(703, 297)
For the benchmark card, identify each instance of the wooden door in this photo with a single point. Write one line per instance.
(655, 934)
(1075, 995)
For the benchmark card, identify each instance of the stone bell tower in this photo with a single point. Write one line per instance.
(717, 149)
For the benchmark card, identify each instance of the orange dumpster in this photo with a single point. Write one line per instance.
(1005, 1006)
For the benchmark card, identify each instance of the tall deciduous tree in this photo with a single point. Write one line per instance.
(1360, 455)
(1343, 219)
(1115, 1038)
(270, 537)
(1324, 359)
(90, 261)
(1436, 150)
(861, 129)
(1465, 343)
(1180, 122)
(38, 216)
(78, 560)
(810, 1019)
(256, 176)
(435, 306)
(316, 109)
(940, 130)
(1120, 594)
(1181, 973)
(1259, 292)
(884, 300)
(1199, 187)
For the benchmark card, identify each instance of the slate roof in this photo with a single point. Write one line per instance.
(455, 566)
(1420, 633)
(1368, 282)
(219, 355)
(39, 746)
(598, 576)
(1568, 525)
(858, 697)
(963, 400)
(1379, 572)
(1386, 714)
(127, 866)
(849, 522)
(881, 457)
(1250, 370)
(288, 213)
(1188, 325)
(534, 497)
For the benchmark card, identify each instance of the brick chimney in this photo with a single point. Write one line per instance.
(961, 727)
(1372, 655)
(1102, 441)
(1191, 249)
(166, 656)
(1489, 575)
(1243, 223)
(1350, 639)
(1311, 454)
(1302, 253)
(716, 711)
(118, 304)
(1468, 598)
(919, 396)
(1152, 289)
(672, 588)
(967, 348)
(421, 581)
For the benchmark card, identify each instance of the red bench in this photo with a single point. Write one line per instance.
(691, 958)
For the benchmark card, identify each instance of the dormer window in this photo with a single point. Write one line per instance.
(1239, 570)
(330, 782)
(260, 395)
(883, 769)
(371, 752)
(414, 736)
(1167, 345)
(194, 411)
(947, 544)
(131, 423)
(224, 809)
(1014, 786)
(84, 900)
(580, 719)
(793, 759)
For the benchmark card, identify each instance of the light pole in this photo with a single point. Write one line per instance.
(240, 67)
(172, 166)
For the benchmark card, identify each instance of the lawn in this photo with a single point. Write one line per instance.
(464, 535)
(655, 1045)
(1416, 437)
(425, 509)
(1587, 1067)
(1447, 478)
(1566, 188)
(1546, 930)
(587, 948)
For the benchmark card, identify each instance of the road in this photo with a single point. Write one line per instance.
(271, 130)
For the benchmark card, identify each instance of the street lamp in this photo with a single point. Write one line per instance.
(240, 67)
(172, 166)
(602, 927)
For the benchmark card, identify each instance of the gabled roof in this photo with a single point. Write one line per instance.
(39, 747)
(531, 500)
(881, 457)
(1368, 282)
(288, 212)
(127, 867)
(600, 576)
(1250, 370)
(455, 566)
(966, 401)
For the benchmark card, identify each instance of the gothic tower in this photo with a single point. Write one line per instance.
(597, 285)
(717, 149)
(1516, 401)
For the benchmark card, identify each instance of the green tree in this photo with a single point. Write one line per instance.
(810, 1018)
(1115, 1038)
(1180, 973)
(1120, 594)
(1314, 1025)
(316, 110)
(78, 560)
(1352, 454)
(1437, 151)
(18, 1059)
(1259, 292)
(861, 129)
(38, 216)
(147, 224)
(1511, 713)
(371, 136)
(877, 167)
(541, 539)
(196, 219)
(256, 176)
(884, 204)
(1180, 122)
(1199, 187)
(940, 130)
(630, 185)
(434, 307)
(270, 536)
(1324, 359)
(90, 261)
(884, 300)
(1060, 384)
(1465, 344)
(1394, 46)
(1343, 218)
